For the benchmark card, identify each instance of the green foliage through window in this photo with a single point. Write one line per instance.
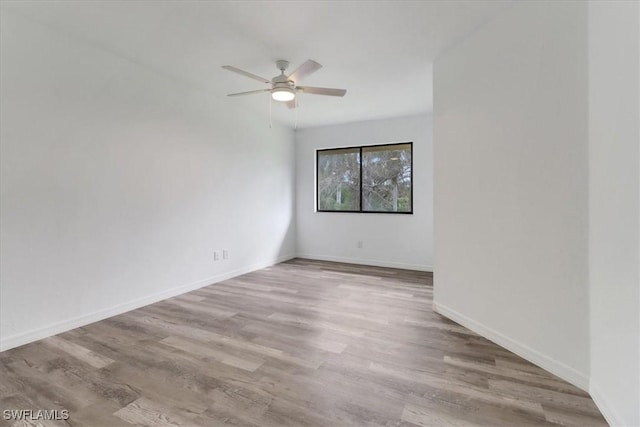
(374, 178)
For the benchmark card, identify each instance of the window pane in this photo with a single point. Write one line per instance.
(386, 178)
(339, 180)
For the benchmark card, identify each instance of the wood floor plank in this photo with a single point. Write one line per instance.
(246, 363)
(199, 307)
(99, 414)
(144, 412)
(94, 359)
(301, 343)
(428, 418)
(523, 377)
(549, 397)
(570, 418)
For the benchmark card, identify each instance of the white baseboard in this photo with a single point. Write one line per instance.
(556, 367)
(366, 261)
(612, 417)
(85, 319)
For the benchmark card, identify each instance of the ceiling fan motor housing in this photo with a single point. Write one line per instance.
(282, 65)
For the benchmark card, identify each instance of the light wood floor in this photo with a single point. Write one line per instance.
(303, 343)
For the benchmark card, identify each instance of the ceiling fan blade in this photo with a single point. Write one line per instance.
(308, 67)
(246, 73)
(322, 90)
(292, 103)
(250, 92)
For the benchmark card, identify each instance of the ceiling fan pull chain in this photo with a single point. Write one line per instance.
(270, 123)
(296, 108)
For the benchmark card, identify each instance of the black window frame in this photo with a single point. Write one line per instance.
(359, 148)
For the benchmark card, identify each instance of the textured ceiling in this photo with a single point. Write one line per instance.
(380, 51)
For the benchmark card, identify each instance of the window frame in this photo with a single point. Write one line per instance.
(359, 148)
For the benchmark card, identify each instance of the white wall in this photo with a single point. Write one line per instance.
(401, 241)
(118, 183)
(614, 209)
(511, 194)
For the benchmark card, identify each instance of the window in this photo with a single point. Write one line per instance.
(339, 180)
(373, 179)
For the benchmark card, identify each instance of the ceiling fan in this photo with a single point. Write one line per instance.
(283, 87)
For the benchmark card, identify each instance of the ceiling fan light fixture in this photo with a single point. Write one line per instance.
(283, 94)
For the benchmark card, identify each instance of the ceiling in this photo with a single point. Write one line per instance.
(380, 51)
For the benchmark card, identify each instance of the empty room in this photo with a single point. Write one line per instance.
(319, 213)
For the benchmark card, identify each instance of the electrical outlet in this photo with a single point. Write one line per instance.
(225, 254)
(216, 256)
(360, 244)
